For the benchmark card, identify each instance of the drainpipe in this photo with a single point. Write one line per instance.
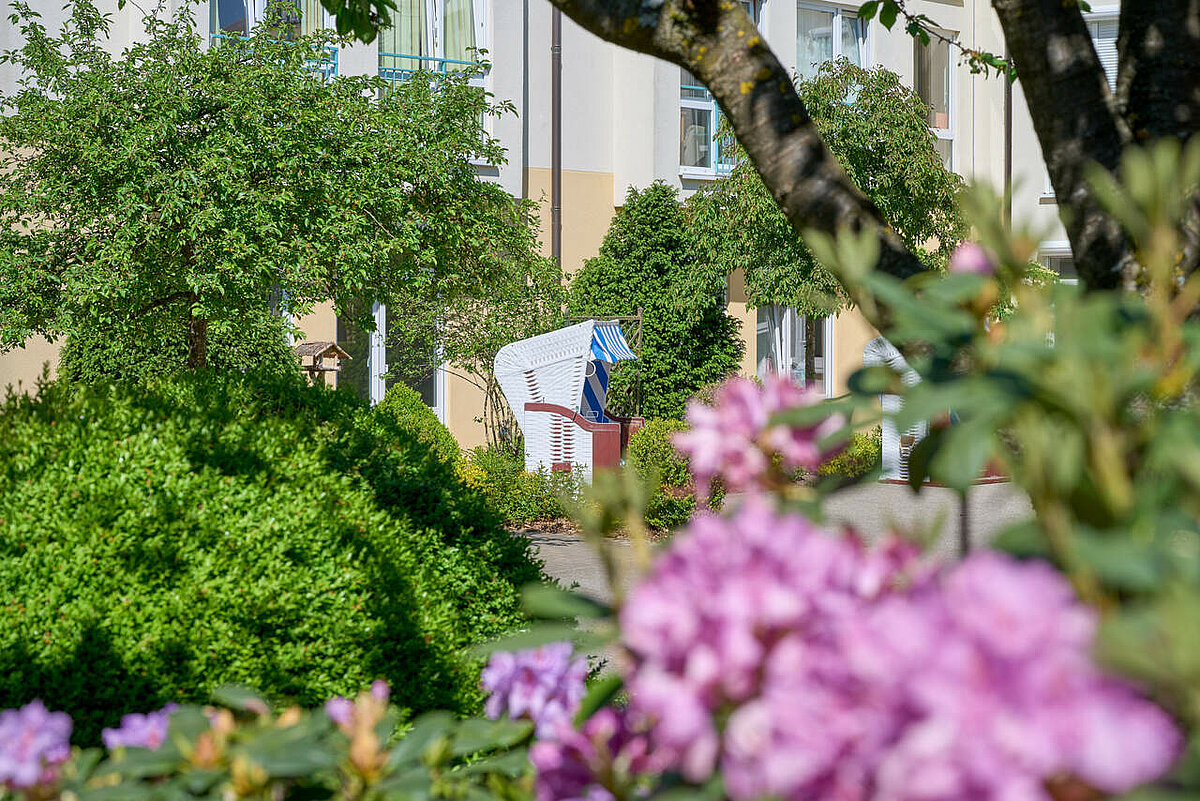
(556, 136)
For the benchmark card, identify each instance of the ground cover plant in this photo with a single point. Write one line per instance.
(520, 497)
(161, 541)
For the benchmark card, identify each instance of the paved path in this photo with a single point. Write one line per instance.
(871, 508)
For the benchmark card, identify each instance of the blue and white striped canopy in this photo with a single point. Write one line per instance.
(609, 345)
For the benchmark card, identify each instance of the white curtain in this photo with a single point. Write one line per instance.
(312, 17)
(407, 35)
(814, 41)
(852, 39)
(459, 24)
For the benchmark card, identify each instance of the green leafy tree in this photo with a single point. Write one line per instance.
(878, 130)
(173, 190)
(646, 261)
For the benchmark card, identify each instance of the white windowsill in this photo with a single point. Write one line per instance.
(698, 173)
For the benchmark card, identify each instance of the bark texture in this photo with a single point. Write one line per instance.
(717, 41)
(1076, 122)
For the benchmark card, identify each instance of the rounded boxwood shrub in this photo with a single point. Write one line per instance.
(654, 457)
(158, 542)
(404, 406)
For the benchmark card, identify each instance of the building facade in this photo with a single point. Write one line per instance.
(627, 120)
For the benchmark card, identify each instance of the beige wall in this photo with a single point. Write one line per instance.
(747, 318)
(464, 408)
(22, 367)
(587, 209)
(851, 333)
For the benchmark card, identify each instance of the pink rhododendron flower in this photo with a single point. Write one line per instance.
(140, 731)
(735, 440)
(542, 684)
(804, 666)
(590, 764)
(970, 257)
(33, 743)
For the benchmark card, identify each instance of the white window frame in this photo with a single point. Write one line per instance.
(838, 10)
(709, 104)
(1057, 247)
(377, 365)
(791, 319)
(945, 134)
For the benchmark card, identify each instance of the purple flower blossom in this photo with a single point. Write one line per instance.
(802, 665)
(735, 440)
(340, 710)
(569, 767)
(140, 731)
(970, 257)
(33, 742)
(542, 684)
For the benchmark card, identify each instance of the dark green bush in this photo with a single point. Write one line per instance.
(654, 458)
(861, 456)
(518, 496)
(160, 541)
(403, 406)
(156, 345)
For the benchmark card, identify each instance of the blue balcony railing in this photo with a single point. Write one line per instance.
(399, 67)
(324, 64)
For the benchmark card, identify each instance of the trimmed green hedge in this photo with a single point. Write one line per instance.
(158, 542)
(404, 406)
(653, 456)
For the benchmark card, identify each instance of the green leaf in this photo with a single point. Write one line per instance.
(867, 10)
(427, 729)
(549, 602)
(241, 698)
(475, 735)
(599, 695)
(887, 14)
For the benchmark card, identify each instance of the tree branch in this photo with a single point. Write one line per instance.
(1073, 115)
(718, 43)
(1158, 83)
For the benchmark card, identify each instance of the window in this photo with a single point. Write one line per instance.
(1104, 36)
(795, 346)
(934, 84)
(1057, 256)
(699, 117)
(825, 33)
(436, 35)
(371, 357)
(238, 17)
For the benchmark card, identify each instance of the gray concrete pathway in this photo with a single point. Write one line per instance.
(874, 509)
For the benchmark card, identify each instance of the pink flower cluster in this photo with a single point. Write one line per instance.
(33, 743)
(140, 731)
(542, 684)
(805, 666)
(735, 440)
(586, 765)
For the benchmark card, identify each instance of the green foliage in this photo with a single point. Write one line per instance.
(518, 496)
(247, 749)
(861, 455)
(177, 186)
(1090, 401)
(651, 453)
(161, 541)
(403, 407)
(646, 261)
(157, 346)
(883, 142)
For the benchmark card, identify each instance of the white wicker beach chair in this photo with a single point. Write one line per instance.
(557, 385)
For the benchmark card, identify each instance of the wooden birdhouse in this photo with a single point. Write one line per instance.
(317, 353)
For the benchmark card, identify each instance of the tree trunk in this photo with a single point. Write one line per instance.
(197, 341)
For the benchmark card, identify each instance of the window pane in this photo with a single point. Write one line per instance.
(814, 353)
(852, 39)
(229, 16)
(1064, 265)
(690, 87)
(460, 29)
(408, 35)
(769, 342)
(1104, 35)
(945, 149)
(355, 372)
(933, 81)
(695, 137)
(814, 40)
